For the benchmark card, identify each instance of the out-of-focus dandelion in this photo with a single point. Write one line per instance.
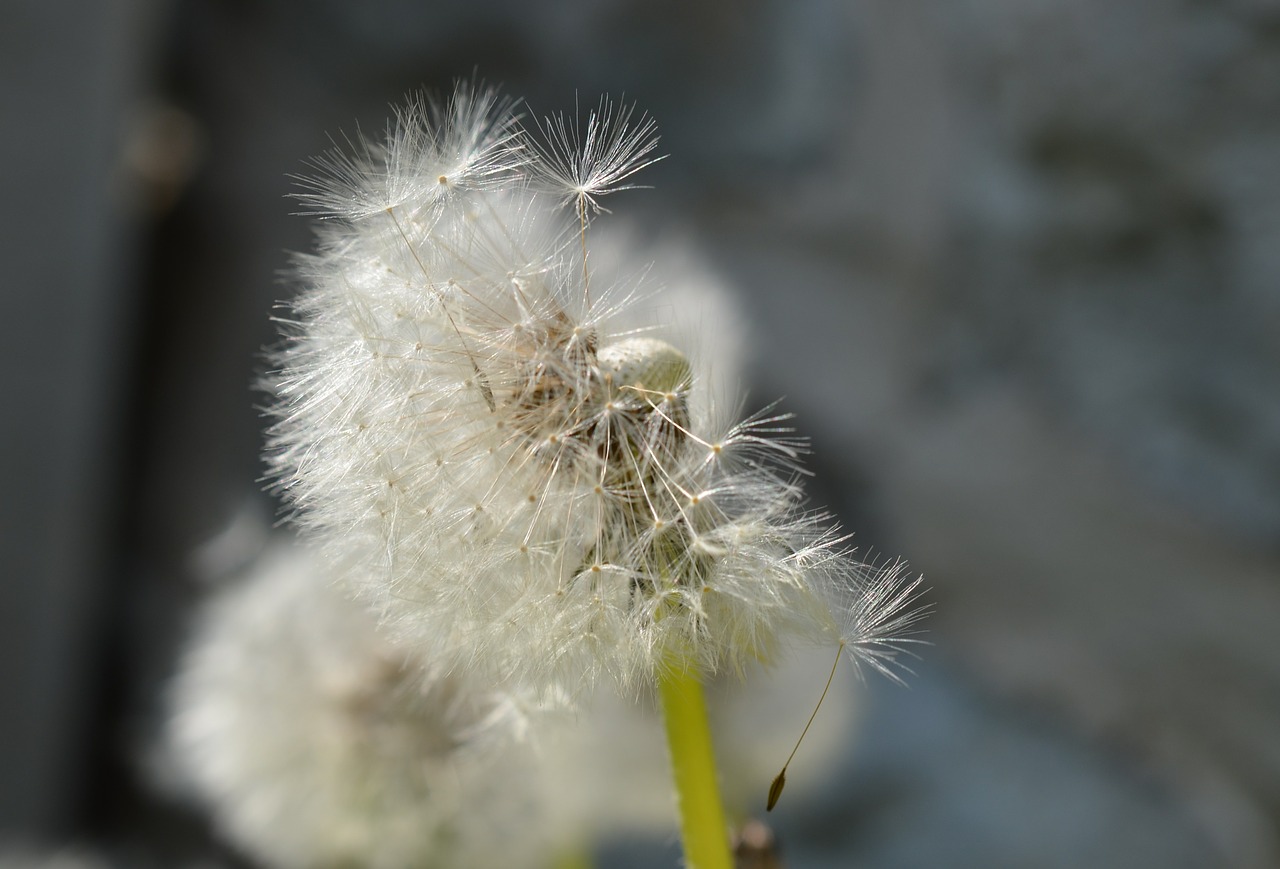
(314, 743)
(520, 485)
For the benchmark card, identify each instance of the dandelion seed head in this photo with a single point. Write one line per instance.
(514, 477)
(315, 743)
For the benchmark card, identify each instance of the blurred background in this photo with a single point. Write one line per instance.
(1014, 265)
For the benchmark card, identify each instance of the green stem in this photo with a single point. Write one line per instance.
(693, 765)
(574, 859)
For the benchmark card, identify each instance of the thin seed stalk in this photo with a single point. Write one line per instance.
(693, 765)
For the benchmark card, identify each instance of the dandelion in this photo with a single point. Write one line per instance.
(515, 480)
(315, 743)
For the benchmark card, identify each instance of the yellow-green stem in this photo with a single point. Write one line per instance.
(574, 859)
(693, 766)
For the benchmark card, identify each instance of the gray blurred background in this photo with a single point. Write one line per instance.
(1015, 265)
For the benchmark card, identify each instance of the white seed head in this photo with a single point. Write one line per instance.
(513, 477)
(314, 743)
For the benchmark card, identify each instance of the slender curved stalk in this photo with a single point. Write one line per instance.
(693, 765)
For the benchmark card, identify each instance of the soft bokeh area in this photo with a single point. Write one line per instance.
(1014, 266)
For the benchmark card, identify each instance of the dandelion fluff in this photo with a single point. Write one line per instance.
(514, 477)
(315, 744)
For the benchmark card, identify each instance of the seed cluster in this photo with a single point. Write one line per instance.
(515, 477)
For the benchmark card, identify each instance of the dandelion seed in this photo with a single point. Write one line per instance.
(875, 608)
(432, 150)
